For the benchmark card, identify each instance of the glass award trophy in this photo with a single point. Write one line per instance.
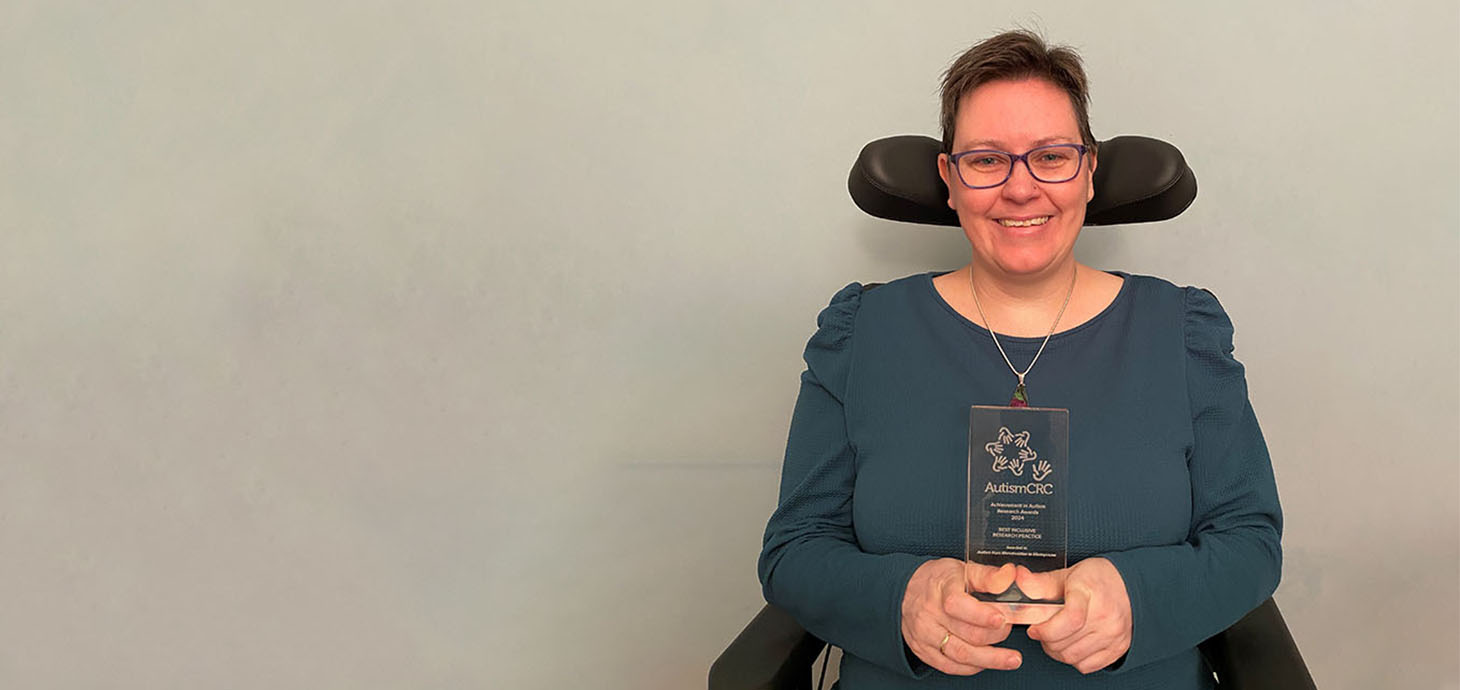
(1018, 466)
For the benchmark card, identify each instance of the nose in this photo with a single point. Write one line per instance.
(1021, 187)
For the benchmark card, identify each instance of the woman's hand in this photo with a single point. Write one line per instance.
(1093, 629)
(950, 630)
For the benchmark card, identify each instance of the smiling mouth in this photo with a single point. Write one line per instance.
(1023, 223)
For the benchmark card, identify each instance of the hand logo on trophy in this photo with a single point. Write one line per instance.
(1024, 454)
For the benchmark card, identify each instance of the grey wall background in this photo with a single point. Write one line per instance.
(452, 344)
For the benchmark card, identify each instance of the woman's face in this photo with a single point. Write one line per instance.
(1024, 227)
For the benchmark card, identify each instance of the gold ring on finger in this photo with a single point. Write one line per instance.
(944, 643)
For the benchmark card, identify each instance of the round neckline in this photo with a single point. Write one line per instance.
(1120, 296)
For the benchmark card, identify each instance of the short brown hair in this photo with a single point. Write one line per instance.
(1018, 54)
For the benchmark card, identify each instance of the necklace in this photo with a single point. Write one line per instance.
(1021, 395)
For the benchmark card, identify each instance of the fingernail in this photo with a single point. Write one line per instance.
(1013, 661)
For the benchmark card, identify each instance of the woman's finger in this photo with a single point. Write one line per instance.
(1076, 647)
(1069, 621)
(1046, 585)
(934, 653)
(929, 631)
(982, 656)
(986, 578)
(979, 635)
(963, 607)
(949, 666)
(1099, 660)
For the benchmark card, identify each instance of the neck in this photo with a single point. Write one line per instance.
(1022, 305)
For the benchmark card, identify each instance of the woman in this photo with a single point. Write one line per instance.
(1174, 522)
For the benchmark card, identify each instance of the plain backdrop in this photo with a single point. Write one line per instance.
(394, 344)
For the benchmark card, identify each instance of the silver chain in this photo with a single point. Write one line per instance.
(990, 326)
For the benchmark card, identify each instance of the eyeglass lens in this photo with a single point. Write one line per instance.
(1058, 163)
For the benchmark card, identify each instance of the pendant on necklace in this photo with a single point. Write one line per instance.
(1021, 397)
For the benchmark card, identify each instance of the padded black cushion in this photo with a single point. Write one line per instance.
(1137, 180)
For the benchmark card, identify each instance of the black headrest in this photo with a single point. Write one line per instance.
(1137, 180)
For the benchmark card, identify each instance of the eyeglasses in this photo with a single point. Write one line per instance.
(985, 168)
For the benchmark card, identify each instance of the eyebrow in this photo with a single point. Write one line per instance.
(982, 143)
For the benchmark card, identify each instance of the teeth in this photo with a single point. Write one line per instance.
(1024, 223)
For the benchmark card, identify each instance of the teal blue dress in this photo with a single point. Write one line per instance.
(1169, 479)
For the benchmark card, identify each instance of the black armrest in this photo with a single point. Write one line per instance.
(1137, 180)
(772, 653)
(1258, 653)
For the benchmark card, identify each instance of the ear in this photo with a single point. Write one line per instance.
(943, 173)
(1091, 194)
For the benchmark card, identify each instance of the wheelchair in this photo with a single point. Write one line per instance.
(1139, 180)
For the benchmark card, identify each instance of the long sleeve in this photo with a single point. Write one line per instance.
(1232, 558)
(811, 564)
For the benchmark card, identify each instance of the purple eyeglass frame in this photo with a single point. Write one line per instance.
(953, 159)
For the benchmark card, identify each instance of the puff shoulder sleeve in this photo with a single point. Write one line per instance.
(1231, 560)
(810, 562)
